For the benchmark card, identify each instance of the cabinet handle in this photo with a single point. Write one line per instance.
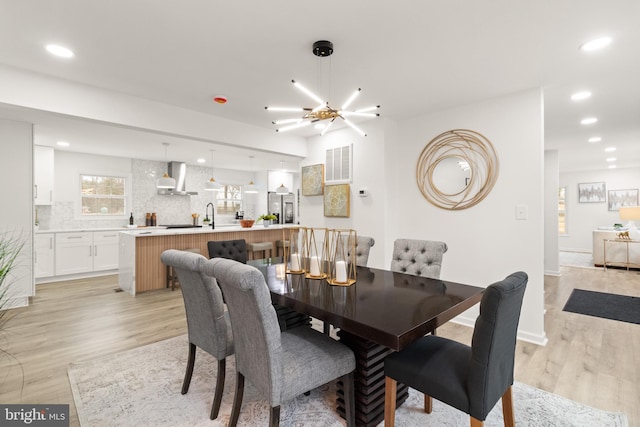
(109, 235)
(73, 237)
(95, 250)
(51, 196)
(36, 191)
(90, 251)
(50, 242)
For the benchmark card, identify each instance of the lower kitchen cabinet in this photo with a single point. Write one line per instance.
(43, 258)
(86, 251)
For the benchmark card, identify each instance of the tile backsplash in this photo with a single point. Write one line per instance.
(145, 198)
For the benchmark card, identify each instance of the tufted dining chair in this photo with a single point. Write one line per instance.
(363, 247)
(471, 379)
(208, 323)
(280, 365)
(230, 249)
(418, 257)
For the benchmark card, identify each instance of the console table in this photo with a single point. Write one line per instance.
(626, 263)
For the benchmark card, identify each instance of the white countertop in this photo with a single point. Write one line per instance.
(161, 231)
(146, 231)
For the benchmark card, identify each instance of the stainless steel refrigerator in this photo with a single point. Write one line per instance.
(282, 206)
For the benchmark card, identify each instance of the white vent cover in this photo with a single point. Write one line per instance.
(338, 164)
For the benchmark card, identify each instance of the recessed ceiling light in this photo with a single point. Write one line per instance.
(595, 139)
(579, 96)
(201, 160)
(588, 121)
(60, 51)
(63, 143)
(612, 166)
(595, 44)
(611, 159)
(610, 149)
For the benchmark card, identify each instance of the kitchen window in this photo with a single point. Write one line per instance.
(103, 196)
(229, 200)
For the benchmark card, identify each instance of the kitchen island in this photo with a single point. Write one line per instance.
(139, 250)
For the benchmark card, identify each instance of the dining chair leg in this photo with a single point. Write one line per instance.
(507, 409)
(390, 388)
(190, 362)
(237, 400)
(428, 403)
(274, 419)
(349, 399)
(217, 395)
(476, 423)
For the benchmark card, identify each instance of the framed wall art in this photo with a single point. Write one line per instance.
(592, 192)
(313, 180)
(622, 199)
(337, 200)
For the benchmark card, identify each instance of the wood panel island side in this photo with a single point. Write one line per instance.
(140, 267)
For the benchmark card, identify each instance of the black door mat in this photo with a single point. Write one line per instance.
(608, 306)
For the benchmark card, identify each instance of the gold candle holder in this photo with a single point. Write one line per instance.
(315, 252)
(342, 258)
(293, 253)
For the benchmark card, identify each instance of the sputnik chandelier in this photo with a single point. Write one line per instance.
(322, 111)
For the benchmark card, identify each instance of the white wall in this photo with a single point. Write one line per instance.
(551, 180)
(486, 242)
(368, 214)
(583, 218)
(16, 215)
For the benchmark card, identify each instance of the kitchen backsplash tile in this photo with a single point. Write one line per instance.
(145, 198)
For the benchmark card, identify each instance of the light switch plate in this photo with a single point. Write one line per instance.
(522, 212)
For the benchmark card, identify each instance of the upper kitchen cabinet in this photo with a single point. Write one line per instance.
(43, 175)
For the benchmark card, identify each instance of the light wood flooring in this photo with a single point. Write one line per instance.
(589, 360)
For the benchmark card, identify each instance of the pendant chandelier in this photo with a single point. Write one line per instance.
(322, 111)
(251, 188)
(165, 181)
(212, 185)
(282, 189)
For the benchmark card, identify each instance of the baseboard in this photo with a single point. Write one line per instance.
(43, 280)
(522, 335)
(16, 302)
(552, 273)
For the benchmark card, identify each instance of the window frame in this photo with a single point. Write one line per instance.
(240, 199)
(127, 177)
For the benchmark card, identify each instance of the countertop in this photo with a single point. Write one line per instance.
(146, 231)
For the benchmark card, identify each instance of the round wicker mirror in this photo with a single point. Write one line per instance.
(457, 155)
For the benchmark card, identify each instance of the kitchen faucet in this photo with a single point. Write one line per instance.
(206, 214)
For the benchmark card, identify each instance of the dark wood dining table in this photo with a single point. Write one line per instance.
(382, 312)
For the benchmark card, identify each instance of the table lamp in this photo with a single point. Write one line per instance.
(630, 214)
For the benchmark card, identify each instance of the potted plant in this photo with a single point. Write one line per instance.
(10, 247)
(267, 219)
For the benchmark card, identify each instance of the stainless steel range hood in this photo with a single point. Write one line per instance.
(178, 171)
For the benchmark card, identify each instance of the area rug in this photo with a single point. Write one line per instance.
(141, 387)
(608, 306)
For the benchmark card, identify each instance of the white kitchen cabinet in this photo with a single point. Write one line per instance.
(44, 265)
(43, 175)
(105, 250)
(86, 251)
(74, 252)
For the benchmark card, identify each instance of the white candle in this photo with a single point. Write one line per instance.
(295, 262)
(315, 266)
(341, 272)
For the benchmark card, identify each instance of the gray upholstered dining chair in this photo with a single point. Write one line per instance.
(230, 249)
(363, 247)
(471, 379)
(418, 257)
(280, 365)
(208, 322)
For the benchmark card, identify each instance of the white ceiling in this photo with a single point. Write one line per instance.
(410, 57)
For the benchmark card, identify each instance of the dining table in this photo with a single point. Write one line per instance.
(382, 312)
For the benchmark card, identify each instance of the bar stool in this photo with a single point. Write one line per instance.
(281, 244)
(172, 277)
(254, 247)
